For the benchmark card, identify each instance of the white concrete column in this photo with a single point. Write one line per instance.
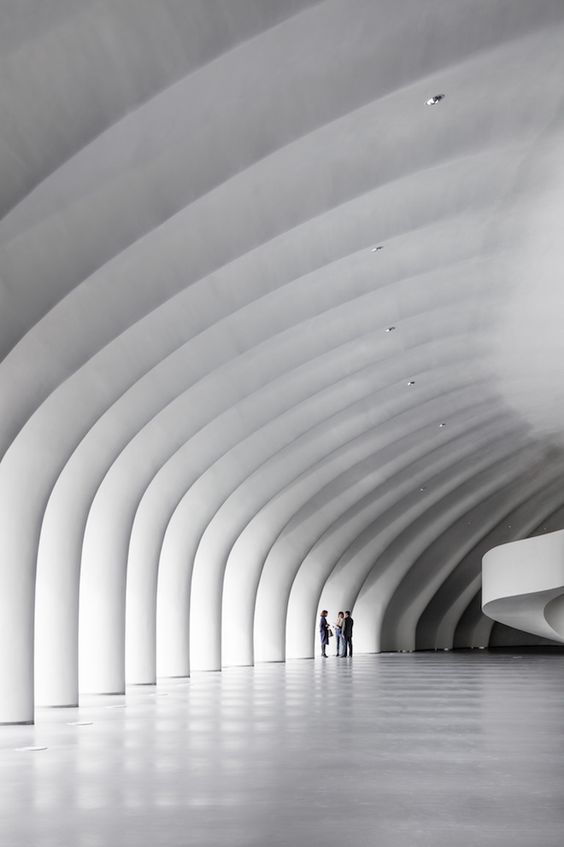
(141, 597)
(102, 602)
(56, 629)
(173, 602)
(16, 639)
(27, 474)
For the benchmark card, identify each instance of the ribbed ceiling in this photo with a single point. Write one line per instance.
(206, 429)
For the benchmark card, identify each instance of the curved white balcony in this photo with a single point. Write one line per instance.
(523, 585)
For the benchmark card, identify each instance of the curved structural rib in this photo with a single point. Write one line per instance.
(220, 402)
(523, 585)
(436, 628)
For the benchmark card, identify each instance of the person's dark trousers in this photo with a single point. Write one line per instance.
(348, 647)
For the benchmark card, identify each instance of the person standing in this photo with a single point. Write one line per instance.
(339, 640)
(323, 632)
(347, 632)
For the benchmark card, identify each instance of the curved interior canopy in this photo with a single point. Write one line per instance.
(280, 326)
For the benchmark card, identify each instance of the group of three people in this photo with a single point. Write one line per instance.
(343, 633)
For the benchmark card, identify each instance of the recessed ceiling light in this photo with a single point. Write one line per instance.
(432, 101)
(423, 488)
(390, 328)
(442, 425)
(411, 382)
(375, 249)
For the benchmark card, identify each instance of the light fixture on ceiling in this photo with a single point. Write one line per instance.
(432, 101)
(390, 328)
(423, 488)
(442, 425)
(375, 249)
(411, 382)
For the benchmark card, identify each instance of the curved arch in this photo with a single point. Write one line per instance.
(350, 541)
(201, 502)
(273, 612)
(297, 471)
(404, 608)
(115, 552)
(138, 336)
(436, 626)
(193, 40)
(262, 563)
(169, 237)
(473, 628)
(380, 581)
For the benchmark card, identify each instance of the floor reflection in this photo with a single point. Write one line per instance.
(417, 749)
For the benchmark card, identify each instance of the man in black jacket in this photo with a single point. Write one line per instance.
(347, 632)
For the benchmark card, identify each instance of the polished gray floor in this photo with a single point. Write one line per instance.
(416, 749)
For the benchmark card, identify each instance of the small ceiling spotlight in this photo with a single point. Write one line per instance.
(411, 382)
(423, 488)
(508, 526)
(375, 249)
(432, 101)
(442, 425)
(390, 328)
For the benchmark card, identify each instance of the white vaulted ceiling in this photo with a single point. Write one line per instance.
(206, 428)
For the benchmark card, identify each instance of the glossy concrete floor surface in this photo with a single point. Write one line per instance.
(416, 749)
